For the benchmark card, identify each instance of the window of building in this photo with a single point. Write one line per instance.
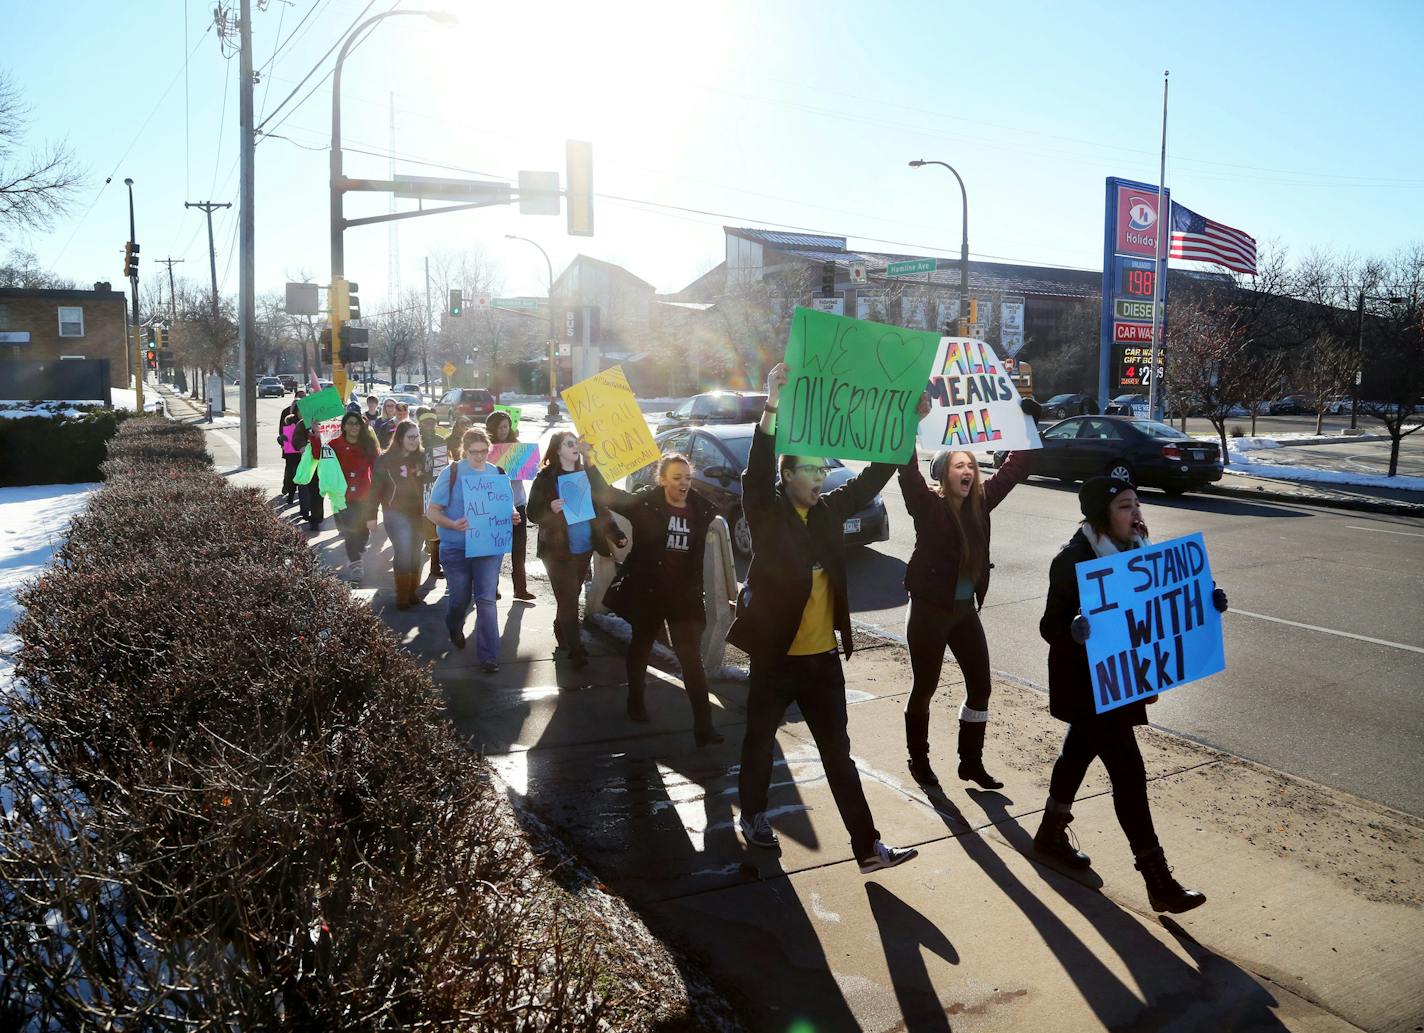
(4, 316)
(71, 321)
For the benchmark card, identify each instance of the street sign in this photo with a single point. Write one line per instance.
(912, 267)
(482, 301)
(857, 272)
(1130, 332)
(448, 369)
(833, 305)
(1124, 308)
(517, 303)
(302, 299)
(538, 193)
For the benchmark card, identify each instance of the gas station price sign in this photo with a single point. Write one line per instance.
(1137, 282)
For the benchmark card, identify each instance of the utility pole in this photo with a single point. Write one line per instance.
(425, 355)
(134, 350)
(246, 305)
(173, 308)
(208, 208)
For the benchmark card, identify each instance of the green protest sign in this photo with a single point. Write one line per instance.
(853, 387)
(320, 405)
(513, 411)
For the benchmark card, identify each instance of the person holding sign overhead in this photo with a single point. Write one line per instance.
(947, 575)
(1112, 523)
(467, 575)
(788, 613)
(661, 582)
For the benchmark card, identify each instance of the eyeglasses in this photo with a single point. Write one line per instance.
(812, 469)
(477, 451)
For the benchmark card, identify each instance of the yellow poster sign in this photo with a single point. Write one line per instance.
(606, 415)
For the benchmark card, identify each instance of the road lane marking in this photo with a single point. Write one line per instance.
(1383, 530)
(1328, 631)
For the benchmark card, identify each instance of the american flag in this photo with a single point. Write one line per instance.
(1198, 239)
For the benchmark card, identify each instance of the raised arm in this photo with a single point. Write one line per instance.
(1015, 471)
(605, 494)
(759, 479)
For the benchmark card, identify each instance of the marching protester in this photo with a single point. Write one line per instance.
(501, 431)
(788, 613)
(467, 576)
(356, 450)
(660, 582)
(948, 574)
(292, 451)
(373, 412)
(399, 485)
(1112, 523)
(437, 457)
(454, 441)
(565, 548)
(384, 425)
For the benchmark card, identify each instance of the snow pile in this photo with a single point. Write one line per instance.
(1245, 463)
(123, 399)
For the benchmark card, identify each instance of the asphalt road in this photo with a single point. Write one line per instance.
(1324, 641)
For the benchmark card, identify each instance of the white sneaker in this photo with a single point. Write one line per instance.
(758, 831)
(886, 857)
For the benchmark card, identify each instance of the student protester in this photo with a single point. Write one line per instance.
(384, 425)
(437, 457)
(660, 582)
(501, 431)
(399, 484)
(467, 576)
(793, 603)
(309, 496)
(356, 450)
(947, 578)
(1112, 523)
(291, 452)
(454, 441)
(373, 412)
(566, 548)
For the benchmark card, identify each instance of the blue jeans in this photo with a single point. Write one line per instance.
(476, 576)
(407, 536)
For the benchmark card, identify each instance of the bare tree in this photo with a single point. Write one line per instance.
(1324, 371)
(37, 186)
(1207, 362)
(399, 333)
(1392, 346)
(1260, 379)
(22, 269)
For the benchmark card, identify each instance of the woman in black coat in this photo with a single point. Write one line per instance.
(661, 582)
(1112, 523)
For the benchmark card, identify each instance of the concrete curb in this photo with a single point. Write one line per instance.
(1356, 503)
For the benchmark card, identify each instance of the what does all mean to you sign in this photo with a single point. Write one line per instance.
(1153, 624)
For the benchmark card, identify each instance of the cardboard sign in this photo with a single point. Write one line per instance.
(853, 389)
(489, 508)
(973, 403)
(437, 457)
(1154, 627)
(577, 494)
(519, 459)
(606, 415)
(325, 404)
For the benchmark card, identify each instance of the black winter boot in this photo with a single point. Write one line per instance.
(1165, 893)
(1051, 841)
(703, 731)
(637, 711)
(971, 755)
(917, 745)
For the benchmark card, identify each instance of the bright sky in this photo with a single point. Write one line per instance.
(1296, 122)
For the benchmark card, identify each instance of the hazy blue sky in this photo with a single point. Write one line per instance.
(1297, 122)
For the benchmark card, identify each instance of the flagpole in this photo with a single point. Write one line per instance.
(1164, 232)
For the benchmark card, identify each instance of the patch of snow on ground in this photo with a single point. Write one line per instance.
(1245, 463)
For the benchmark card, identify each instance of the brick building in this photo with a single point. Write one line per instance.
(47, 325)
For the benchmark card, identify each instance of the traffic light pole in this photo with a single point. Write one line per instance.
(551, 344)
(135, 349)
(963, 248)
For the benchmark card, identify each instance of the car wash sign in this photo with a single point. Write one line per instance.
(1132, 235)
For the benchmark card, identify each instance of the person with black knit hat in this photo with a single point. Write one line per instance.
(1112, 523)
(947, 578)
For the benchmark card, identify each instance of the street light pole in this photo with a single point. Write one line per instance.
(1360, 349)
(963, 247)
(549, 303)
(136, 362)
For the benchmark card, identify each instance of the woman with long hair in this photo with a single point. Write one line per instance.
(1112, 523)
(356, 450)
(399, 484)
(565, 548)
(384, 425)
(661, 583)
(947, 578)
(501, 431)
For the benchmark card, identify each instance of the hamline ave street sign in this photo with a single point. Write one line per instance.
(912, 267)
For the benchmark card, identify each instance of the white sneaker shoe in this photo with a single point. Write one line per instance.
(886, 857)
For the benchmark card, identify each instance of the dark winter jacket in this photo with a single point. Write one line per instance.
(933, 571)
(637, 592)
(398, 483)
(1070, 683)
(553, 528)
(778, 584)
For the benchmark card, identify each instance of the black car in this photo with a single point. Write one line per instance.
(719, 455)
(715, 407)
(1145, 452)
(1130, 404)
(1062, 406)
(1292, 405)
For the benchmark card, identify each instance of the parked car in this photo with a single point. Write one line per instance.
(1292, 405)
(1145, 452)
(407, 389)
(474, 402)
(715, 407)
(1339, 406)
(290, 381)
(1130, 404)
(322, 384)
(407, 397)
(719, 455)
(270, 387)
(1062, 406)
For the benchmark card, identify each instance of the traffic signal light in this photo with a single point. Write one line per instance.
(160, 338)
(354, 344)
(457, 302)
(828, 279)
(579, 166)
(974, 310)
(152, 357)
(130, 259)
(353, 303)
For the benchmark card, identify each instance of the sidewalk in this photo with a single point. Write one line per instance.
(1315, 919)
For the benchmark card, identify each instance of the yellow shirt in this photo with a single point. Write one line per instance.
(817, 633)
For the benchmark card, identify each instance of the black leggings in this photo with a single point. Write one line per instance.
(928, 629)
(1114, 742)
(686, 639)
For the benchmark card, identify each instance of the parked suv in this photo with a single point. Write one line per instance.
(270, 387)
(474, 402)
(714, 407)
(289, 380)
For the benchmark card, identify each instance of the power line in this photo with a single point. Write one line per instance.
(320, 61)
